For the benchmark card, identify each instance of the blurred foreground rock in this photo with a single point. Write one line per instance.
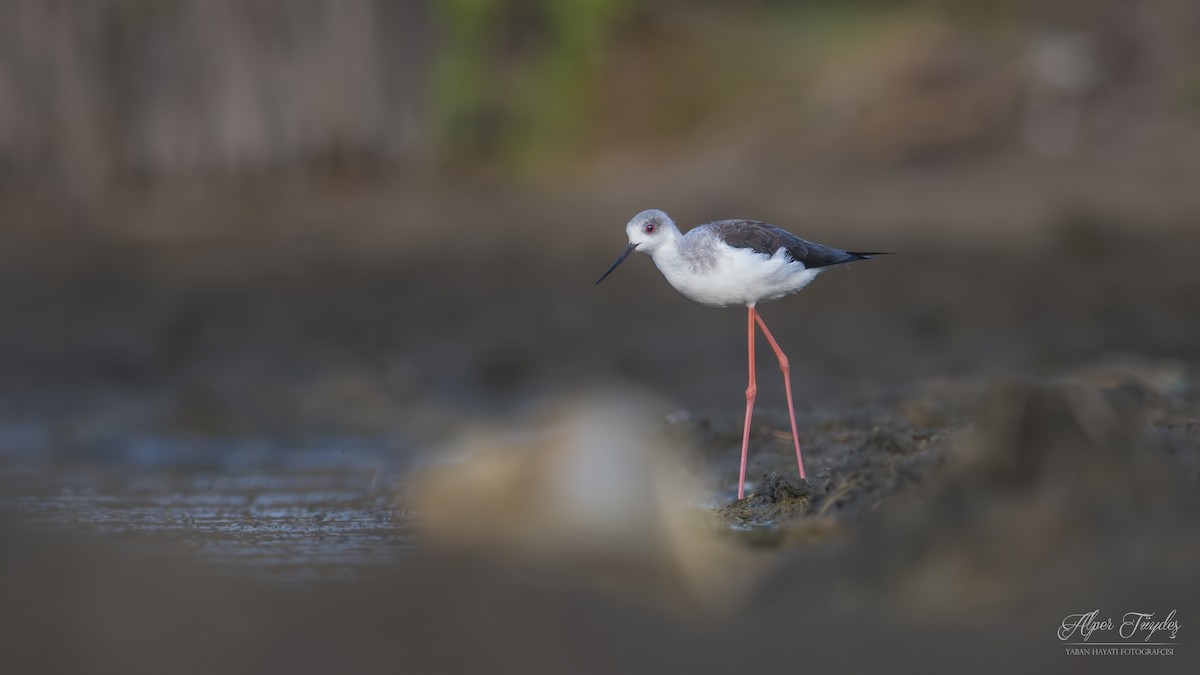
(595, 485)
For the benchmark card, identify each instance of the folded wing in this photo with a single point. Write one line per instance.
(764, 238)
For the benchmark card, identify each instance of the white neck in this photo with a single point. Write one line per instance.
(668, 247)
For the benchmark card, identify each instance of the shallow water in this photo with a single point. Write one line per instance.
(308, 514)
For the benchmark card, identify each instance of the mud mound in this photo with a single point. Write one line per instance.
(776, 499)
(1050, 472)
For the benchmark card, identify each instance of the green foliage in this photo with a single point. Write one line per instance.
(514, 80)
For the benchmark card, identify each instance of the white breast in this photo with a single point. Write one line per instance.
(735, 276)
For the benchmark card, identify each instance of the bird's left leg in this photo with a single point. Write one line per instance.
(787, 382)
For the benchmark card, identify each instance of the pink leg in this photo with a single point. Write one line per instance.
(751, 392)
(787, 382)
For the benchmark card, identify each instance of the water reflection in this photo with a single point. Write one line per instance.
(327, 510)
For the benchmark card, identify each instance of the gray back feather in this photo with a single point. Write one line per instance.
(764, 238)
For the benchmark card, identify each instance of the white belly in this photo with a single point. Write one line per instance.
(738, 277)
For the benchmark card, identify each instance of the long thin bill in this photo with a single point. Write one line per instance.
(623, 256)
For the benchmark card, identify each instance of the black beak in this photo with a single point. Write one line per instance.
(624, 255)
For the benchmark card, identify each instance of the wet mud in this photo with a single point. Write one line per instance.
(993, 441)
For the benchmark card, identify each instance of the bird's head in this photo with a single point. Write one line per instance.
(647, 231)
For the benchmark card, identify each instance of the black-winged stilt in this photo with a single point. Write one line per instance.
(735, 262)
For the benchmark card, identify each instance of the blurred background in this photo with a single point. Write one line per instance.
(261, 257)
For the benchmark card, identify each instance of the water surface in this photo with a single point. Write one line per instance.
(322, 511)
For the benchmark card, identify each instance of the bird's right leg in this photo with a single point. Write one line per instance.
(751, 392)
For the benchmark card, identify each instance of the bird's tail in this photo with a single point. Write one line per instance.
(868, 254)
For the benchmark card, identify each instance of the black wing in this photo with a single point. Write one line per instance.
(761, 237)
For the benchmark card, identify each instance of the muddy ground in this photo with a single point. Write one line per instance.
(209, 435)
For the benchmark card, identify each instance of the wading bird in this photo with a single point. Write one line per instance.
(735, 262)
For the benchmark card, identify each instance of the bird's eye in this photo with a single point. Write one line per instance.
(648, 228)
